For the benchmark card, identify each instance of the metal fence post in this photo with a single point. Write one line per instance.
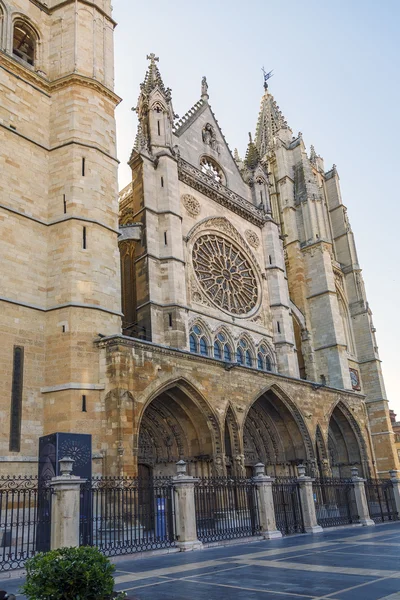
(185, 511)
(361, 498)
(396, 489)
(307, 501)
(65, 508)
(265, 500)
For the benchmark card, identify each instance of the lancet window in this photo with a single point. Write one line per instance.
(222, 348)
(198, 340)
(244, 355)
(264, 362)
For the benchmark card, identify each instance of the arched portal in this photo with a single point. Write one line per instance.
(345, 444)
(275, 434)
(175, 427)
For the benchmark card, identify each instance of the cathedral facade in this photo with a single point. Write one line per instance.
(244, 333)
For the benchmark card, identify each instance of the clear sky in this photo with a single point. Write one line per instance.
(336, 79)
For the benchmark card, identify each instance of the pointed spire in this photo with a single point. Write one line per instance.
(252, 157)
(270, 121)
(153, 78)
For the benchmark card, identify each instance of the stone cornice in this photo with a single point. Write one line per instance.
(77, 79)
(221, 194)
(112, 343)
(43, 85)
(26, 74)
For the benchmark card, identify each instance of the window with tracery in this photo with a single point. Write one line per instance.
(198, 341)
(225, 274)
(243, 353)
(211, 168)
(263, 359)
(24, 42)
(222, 349)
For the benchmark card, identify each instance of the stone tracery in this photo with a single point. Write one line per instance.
(225, 274)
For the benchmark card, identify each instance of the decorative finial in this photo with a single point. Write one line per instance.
(250, 138)
(313, 155)
(266, 77)
(153, 58)
(204, 88)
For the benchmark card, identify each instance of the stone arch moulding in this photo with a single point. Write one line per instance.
(282, 395)
(190, 389)
(298, 315)
(202, 323)
(340, 404)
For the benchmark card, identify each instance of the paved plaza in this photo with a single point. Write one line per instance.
(342, 564)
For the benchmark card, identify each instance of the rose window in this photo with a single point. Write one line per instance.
(225, 274)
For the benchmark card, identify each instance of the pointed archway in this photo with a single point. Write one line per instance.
(346, 446)
(274, 433)
(175, 426)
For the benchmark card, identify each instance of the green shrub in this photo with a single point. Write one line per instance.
(69, 574)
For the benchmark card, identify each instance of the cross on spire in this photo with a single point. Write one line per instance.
(153, 58)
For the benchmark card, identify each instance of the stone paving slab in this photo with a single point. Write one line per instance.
(341, 564)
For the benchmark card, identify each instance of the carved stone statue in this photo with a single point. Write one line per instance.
(209, 137)
(219, 466)
(204, 87)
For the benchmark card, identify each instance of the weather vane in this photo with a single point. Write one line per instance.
(266, 77)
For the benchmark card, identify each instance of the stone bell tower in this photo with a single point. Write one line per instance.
(58, 215)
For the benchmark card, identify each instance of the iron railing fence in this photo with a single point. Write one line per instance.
(127, 515)
(335, 502)
(25, 519)
(288, 512)
(226, 508)
(381, 502)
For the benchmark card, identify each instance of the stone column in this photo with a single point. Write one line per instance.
(394, 478)
(65, 507)
(307, 501)
(185, 510)
(265, 503)
(361, 498)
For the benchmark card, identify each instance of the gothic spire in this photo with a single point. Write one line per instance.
(270, 121)
(153, 97)
(252, 157)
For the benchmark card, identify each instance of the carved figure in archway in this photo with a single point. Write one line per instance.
(178, 424)
(275, 434)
